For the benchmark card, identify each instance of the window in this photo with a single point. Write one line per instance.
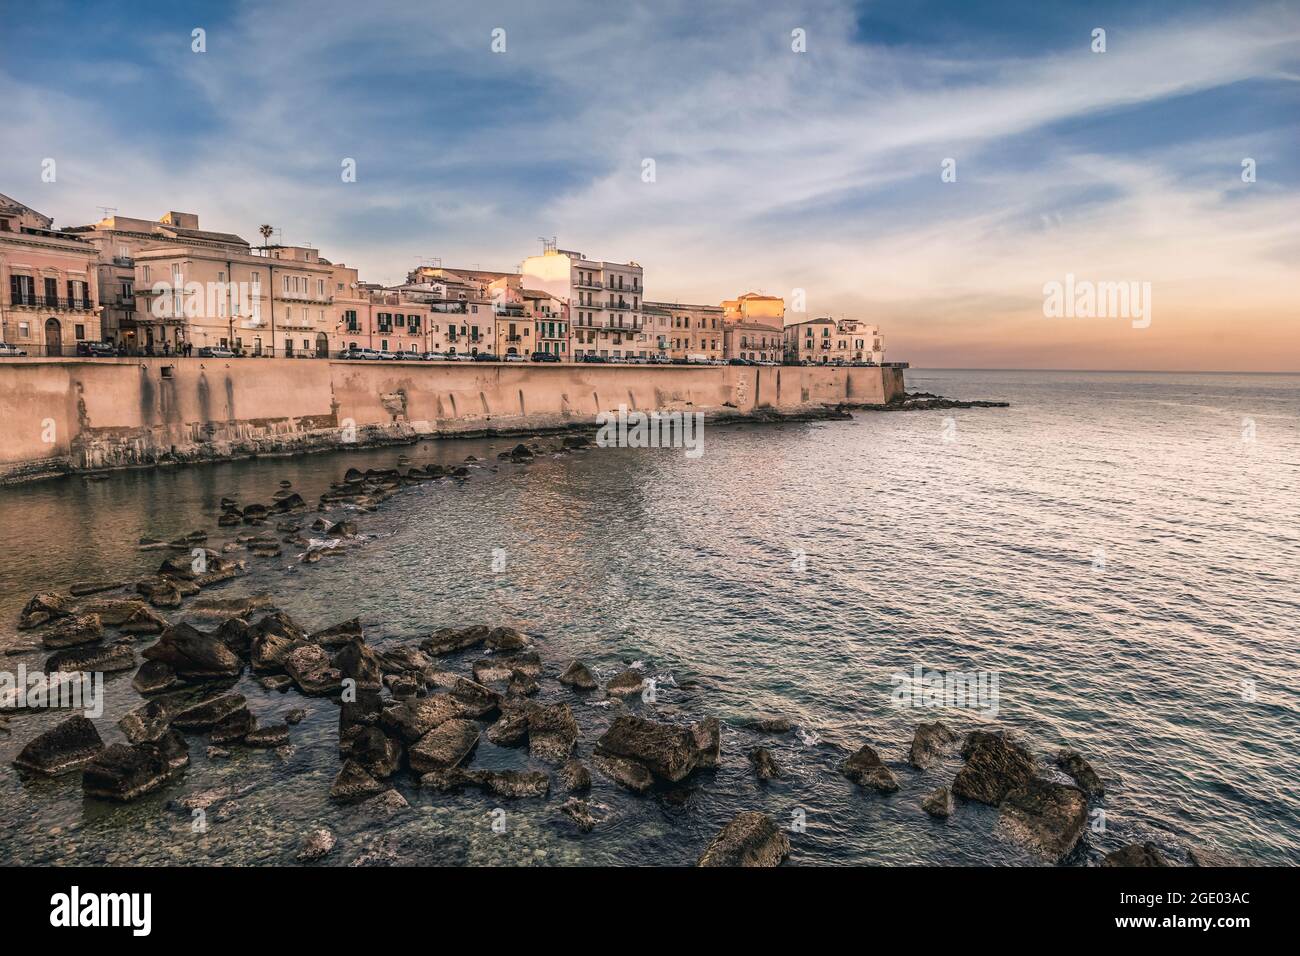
(79, 331)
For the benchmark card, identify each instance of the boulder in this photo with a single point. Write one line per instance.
(62, 748)
(994, 767)
(271, 639)
(345, 632)
(377, 753)
(1136, 854)
(750, 839)
(939, 803)
(866, 769)
(764, 764)
(318, 844)
(448, 640)
(43, 608)
(625, 684)
(310, 667)
(194, 655)
(579, 811)
(770, 725)
(520, 453)
(511, 728)
(236, 725)
(208, 713)
(668, 751)
(521, 685)
(507, 639)
(108, 658)
(445, 746)
(359, 663)
(123, 772)
(354, 784)
(626, 773)
(267, 738)
(1081, 772)
(574, 776)
(579, 677)
(1205, 856)
(929, 743)
(1046, 817)
(73, 631)
(473, 699)
(491, 672)
(412, 719)
(511, 784)
(128, 615)
(147, 723)
(154, 677)
(552, 731)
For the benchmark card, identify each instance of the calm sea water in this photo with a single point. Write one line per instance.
(1121, 550)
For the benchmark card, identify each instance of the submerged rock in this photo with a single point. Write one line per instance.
(1206, 856)
(276, 735)
(354, 784)
(770, 725)
(750, 839)
(376, 752)
(866, 769)
(939, 803)
(574, 776)
(445, 746)
(579, 811)
(1081, 772)
(1136, 854)
(1046, 817)
(579, 677)
(318, 844)
(929, 743)
(62, 748)
(994, 767)
(511, 784)
(764, 764)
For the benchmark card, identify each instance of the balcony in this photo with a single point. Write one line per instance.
(587, 284)
(620, 306)
(52, 303)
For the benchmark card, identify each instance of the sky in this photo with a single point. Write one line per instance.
(814, 174)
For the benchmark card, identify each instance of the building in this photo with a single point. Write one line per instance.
(756, 309)
(49, 284)
(605, 301)
(658, 330)
(118, 239)
(550, 318)
(754, 341)
(824, 340)
(695, 332)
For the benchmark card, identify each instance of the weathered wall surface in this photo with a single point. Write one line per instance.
(61, 415)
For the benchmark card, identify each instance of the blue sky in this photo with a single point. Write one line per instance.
(775, 170)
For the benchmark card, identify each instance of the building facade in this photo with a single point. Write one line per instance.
(695, 332)
(605, 301)
(826, 341)
(49, 284)
(753, 341)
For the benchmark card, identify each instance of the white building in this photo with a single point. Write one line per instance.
(605, 301)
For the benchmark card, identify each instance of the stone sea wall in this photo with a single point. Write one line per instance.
(60, 416)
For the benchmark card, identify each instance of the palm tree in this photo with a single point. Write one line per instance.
(266, 229)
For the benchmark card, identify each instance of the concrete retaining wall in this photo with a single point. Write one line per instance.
(67, 415)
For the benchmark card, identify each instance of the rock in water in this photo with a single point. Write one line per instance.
(579, 677)
(668, 751)
(415, 718)
(448, 640)
(73, 631)
(1204, 856)
(626, 684)
(929, 743)
(866, 769)
(62, 748)
(353, 784)
(445, 746)
(347, 632)
(153, 677)
(1136, 854)
(939, 803)
(770, 725)
(1047, 817)
(626, 773)
(1081, 772)
(208, 713)
(194, 655)
(147, 723)
(318, 844)
(994, 767)
(375, 751)
(579, 811)
(277, 735)
(127, 772)
(764, 764)
(110, 658)
(574, 776)
(750, 839)
(43, 608)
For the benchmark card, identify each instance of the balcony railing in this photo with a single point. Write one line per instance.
(587, 284)
(51, 302)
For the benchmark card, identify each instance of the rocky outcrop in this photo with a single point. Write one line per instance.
(1136, 854)
(43, 608)
(108, 659)
(510, 784)
(929, 744)
(412, 719)
(62, 748)
(1081, 772)
(579, 677)
(574, 777)
(750, 839)
(194, 655)
(939, 803)
(1046, 817)
(147, 723)
(123, 772)
(770, 725)
(994, 767)
(668, 751)
(445, 746)
(206, 714)
(627, 683)
(866, 769)
(154, 677)
(354, 784)
(318, 845)
(73, 631)
(764, 764)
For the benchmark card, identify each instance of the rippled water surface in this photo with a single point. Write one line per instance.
(1112, 546)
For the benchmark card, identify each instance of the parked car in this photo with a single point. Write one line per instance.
(739, 361)
(96, 349)
(385, 355)
(660, 360)
(365, 355)
(597, 359)
(433, 357)
(10, 350)
(545, 357)
(486, 357)
(455, 357)
(514, 357)
(680, 361)
(215, 351)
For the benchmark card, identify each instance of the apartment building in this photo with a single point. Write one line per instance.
(753, 341)
(755, 308)
(49, 284)
(695, 332)
(825, 340)
(118, 239)
(658, 330)
(550, 318)
(605, 301)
